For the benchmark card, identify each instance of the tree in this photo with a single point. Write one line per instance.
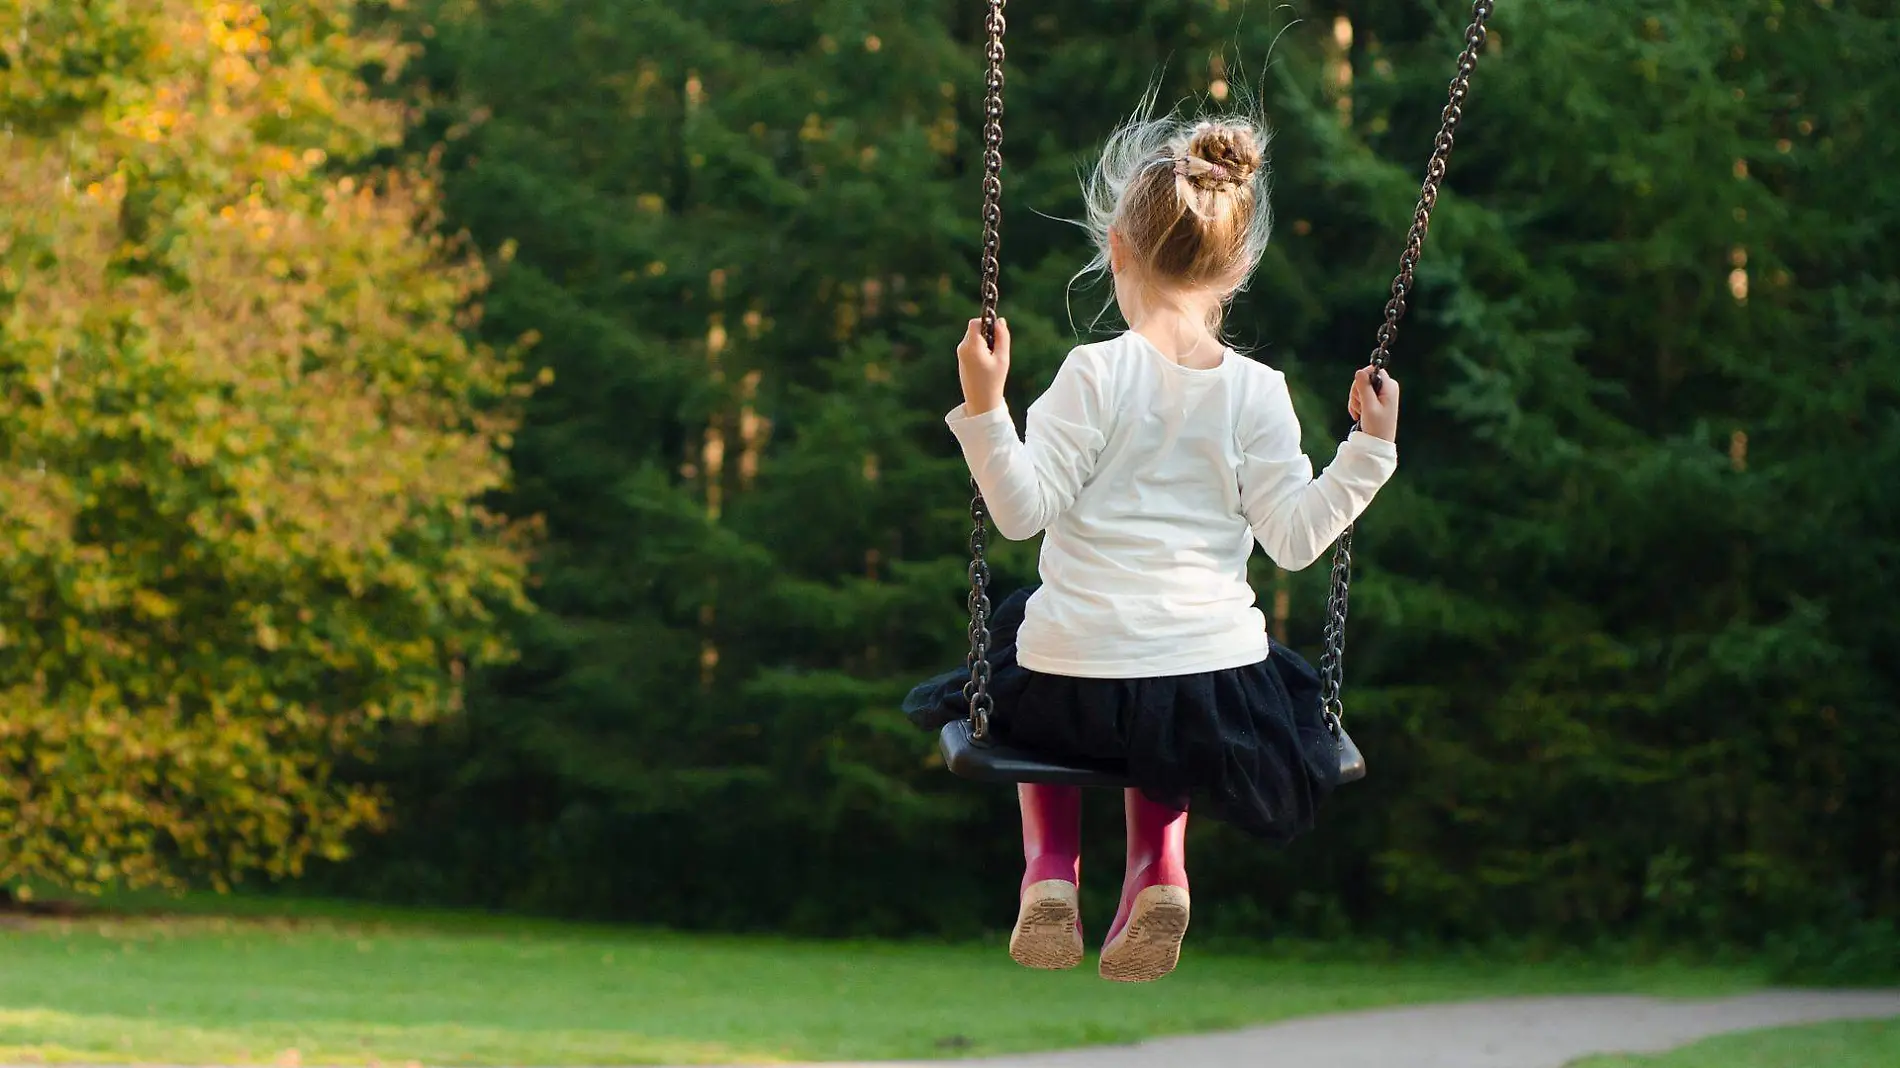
(1616, 655)
(242, 445)
(1619, 625)
(694, 212)
(1616, 649)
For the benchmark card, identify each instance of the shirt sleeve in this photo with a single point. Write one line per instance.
(1027, 484)
(1295, 516)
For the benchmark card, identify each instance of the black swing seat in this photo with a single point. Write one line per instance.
(989, 761)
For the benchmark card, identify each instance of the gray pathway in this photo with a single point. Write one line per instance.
(1509, 1033)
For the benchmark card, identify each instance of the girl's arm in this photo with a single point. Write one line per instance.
(1028, 484)
(1294, 515)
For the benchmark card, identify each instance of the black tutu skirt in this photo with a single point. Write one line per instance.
(1246, 745)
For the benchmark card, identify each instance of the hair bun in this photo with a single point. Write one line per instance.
(1221, 156)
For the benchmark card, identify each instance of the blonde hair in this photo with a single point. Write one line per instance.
(1188, 198)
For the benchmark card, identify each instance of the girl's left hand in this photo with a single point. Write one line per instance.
(982, 369)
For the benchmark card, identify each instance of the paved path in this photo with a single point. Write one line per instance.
(1510, 1033)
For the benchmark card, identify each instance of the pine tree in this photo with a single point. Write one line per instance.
(1618, 624)
(738, 237)
(1617, 679)
(1614, 652)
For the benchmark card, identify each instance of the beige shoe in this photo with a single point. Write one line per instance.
(1149, 945)
(1048, 930)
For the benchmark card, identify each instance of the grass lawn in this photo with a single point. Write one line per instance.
(1869, 1044)
(340, 986)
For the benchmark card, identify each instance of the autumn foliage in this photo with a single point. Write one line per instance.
(243, 440)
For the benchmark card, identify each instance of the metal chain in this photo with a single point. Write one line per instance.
(977, 690)
(1333, 659)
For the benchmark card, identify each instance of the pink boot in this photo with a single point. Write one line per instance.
(1048, 930)
(1145, 942)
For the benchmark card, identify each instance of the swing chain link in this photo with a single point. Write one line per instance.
(977, 690)
(1333, 658)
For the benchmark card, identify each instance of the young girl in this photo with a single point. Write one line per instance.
(1153, 463)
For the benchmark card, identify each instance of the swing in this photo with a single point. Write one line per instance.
(965, 745)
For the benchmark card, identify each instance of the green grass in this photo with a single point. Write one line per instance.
(337, 985)
(1865, 1044)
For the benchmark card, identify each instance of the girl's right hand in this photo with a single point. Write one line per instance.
(1377, 413)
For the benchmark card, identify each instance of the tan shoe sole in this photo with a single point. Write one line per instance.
(1048, 930)
(1150, 946)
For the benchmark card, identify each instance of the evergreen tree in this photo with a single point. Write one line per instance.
(1605, 656)
(734, 234)
(1617, 624)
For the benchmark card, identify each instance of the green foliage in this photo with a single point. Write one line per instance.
(750, 517)
(1631, 600)
(241, 436)
(1620, 628)
(1863, 953)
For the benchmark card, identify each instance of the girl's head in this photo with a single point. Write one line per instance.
(1178, 210)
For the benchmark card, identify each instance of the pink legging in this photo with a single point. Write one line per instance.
(1052, 838)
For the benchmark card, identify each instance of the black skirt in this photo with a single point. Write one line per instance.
(1245, 745)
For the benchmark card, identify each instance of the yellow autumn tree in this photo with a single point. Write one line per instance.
(243, 439)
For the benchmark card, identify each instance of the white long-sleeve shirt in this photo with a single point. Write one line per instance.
(1153, 482)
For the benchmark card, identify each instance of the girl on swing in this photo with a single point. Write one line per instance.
(1152, 464)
